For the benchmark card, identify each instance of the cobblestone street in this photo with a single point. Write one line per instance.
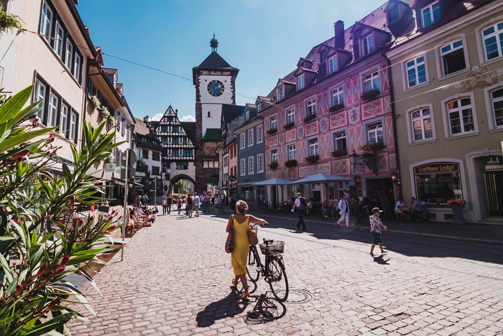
(176, 281)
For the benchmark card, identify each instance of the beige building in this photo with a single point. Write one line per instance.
(54, 61)
(447, 73)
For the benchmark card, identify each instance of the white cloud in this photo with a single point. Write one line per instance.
(157, 117)
(188, 118)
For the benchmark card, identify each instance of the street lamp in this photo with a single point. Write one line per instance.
(394, 177)
(355, 161)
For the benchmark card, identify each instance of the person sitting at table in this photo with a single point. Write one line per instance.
(310, 205)
(414, 208)
(424, 209)
(325, 208)
(398, 209)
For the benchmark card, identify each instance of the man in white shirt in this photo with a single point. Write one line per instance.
(197, 202)
(344, 210)
(398, 208)
(300, 205)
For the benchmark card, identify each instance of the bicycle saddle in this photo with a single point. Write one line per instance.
(268, 241)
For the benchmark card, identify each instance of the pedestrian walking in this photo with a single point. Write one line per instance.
(179, 204)
(232, 204)
(145, 199)
(300, 206)
(188, 205)
(375, 228)
(344, 210)
(217, 203)
(137, 202)
(169, 202)
(352, 207)
(164, 202)
(206, 204)
(240, 223)
(197, 203)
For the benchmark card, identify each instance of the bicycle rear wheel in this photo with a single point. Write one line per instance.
(277, 280)
(252, 267)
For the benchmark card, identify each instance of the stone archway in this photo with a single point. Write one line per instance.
(177, 178)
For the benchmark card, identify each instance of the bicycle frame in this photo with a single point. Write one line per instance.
(264, 268)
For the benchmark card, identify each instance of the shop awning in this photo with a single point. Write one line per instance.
(274, 181)
(321, 177)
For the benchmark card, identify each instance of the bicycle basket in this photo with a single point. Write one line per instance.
(276, 246)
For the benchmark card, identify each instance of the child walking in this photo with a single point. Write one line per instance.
(375, 229)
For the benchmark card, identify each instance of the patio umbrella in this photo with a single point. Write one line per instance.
(274, 181)
(321, 177)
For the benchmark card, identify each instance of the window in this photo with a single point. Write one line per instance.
(290, 116)
(63, 119)
(175, 152)
(182, 166)
(338, 96)
(291, 152)
(430, 14)
(164, 141)
(40, 96)
(301, 82)
(243, 167)
(175, 141)
(340, 141)
(371, 82)
(460, 116)
(209, 114)
(260, 134)
(311, 107)
(187, 152)
(493, 41)
(421, 125)
(260, 163)
(250, 137)
(169, 119)
(76, 69)
(145, 154)
(416, 72)
(175, 129)
(247, 115)
(58, 41)
(250, 165)
(274, 155)
(52, 116)
(46, 21)
(281, 92)
(184, 141)
(332, 64)
(374, 133)
(242, 137)
(453, 57)
(497, 101)
(274, 122)
(155, 170)
(73, 126)
(394, 14)
(164, 129)
(439, 187)
(323, 56)
(155, 156)
(367, 45)
(313, 147)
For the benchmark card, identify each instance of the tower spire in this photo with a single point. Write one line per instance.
(214, 43)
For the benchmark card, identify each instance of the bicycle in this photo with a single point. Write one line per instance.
(273, 270)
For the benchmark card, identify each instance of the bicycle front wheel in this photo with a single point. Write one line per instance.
(277, 280)
(253, 267)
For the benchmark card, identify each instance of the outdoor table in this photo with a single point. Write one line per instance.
(457, 211)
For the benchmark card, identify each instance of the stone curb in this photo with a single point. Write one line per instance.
(473, 240)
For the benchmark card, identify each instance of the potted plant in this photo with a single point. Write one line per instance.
(273, 165)
(336, 107)
(373, 147)
(310, 117)
(371, 94)
(8, 21)
(272, 131)
(289, 125)
(104, 113)
(339, 153)
(96, 102)
(291, 163)
(313, 158)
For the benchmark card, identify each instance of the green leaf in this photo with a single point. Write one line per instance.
(50, 325)
(15, 104)
(88, 277)
(13, 141)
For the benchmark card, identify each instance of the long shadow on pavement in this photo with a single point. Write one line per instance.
(229, 306)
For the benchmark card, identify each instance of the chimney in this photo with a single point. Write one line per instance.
(339, 34)
(176, 113)
(146, 120)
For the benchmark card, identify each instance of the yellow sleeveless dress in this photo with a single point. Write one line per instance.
(241, 246)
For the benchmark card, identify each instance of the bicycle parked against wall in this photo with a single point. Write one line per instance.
(273, 270)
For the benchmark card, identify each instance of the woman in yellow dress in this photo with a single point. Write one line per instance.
(239, 256)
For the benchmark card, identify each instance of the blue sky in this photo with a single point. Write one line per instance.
(264, 39)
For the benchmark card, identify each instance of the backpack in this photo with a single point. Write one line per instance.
(302, 203)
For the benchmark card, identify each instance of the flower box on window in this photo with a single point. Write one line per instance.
(371, 94)
(96, 102)
(291, 163)
(373, 147)
(104, 113)
(313, 158)
(111, 120)
(339, 153)
(289, 125)
(336, 107)
(273, 165)
(310, 117)
(272, 131)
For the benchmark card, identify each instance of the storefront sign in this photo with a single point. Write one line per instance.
(311, 170)
(437, 168)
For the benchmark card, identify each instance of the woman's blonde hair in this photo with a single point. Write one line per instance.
(241, 206)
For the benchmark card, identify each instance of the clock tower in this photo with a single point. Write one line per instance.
(214, 80)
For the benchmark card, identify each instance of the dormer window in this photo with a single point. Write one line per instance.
(367, 44)
(323, 56)
(300, 82)
(281, 92)
(259, 107)
(430, 14)
(247, 115)
(332, 64)
(394, 15)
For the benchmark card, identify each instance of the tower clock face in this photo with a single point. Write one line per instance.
(216, 88)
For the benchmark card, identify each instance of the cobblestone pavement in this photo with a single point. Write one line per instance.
(176, 281)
